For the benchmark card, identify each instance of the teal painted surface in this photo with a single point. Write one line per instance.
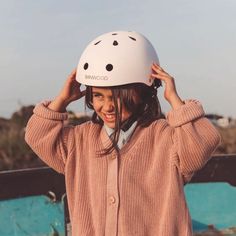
(31, 216)
(211, 204)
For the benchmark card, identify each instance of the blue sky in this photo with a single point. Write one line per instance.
(41, 42)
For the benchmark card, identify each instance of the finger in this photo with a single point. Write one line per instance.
(159, 71)
(73, 72)
(158, 66)
(72, 75)
(161, 77)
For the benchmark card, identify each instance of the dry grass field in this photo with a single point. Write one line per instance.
(15, 153)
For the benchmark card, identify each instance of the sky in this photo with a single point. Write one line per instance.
(41, 43)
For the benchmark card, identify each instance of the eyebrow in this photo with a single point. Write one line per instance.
(97, 93)
(101, 94)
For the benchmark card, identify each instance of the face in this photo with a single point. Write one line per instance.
(104, 106)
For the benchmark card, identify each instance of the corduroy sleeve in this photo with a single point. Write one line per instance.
(47, 135)
(194, 137)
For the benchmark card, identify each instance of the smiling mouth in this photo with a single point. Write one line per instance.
(109, 117)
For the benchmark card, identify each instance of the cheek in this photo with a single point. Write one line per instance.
(97, 105)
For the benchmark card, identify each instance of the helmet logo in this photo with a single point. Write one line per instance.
(96, 77)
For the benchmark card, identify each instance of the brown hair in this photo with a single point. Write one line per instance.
(139, 99)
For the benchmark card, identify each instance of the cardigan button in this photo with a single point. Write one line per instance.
(112, 200)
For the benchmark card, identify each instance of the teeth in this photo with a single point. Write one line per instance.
(109, 116)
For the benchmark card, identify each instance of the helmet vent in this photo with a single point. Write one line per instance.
(115, 43)
(132, 38)
(97, 42)
(86, 66)
(109, 67)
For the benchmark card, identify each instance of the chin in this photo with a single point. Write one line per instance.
(112, 126)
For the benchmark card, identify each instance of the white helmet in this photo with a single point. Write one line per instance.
(117, 58)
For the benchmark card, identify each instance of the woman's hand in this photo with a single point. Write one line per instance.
(70, 92)
(170, 92)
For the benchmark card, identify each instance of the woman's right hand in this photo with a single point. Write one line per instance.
(70, 92)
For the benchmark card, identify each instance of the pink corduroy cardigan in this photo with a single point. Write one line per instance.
(138, 192)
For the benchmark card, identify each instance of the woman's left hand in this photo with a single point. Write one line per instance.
(170, 92)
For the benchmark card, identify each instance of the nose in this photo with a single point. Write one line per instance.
(108, 106)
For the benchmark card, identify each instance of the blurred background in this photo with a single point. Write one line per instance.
(41, 42)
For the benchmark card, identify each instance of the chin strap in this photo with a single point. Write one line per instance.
(128, 123)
